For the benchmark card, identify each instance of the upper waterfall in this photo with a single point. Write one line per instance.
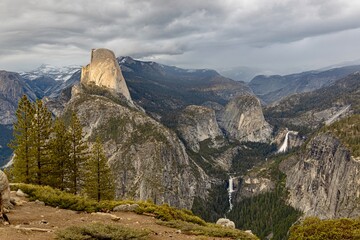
(284, 147)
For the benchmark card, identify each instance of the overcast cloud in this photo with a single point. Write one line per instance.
(278, 35)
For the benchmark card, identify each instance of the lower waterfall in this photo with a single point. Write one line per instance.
(230, 191)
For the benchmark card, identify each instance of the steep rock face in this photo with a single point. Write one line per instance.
(243, 120)
(147, 159)
(251, 186)
(196, 124)
(324, 180)
(104, 71)
(12, 88)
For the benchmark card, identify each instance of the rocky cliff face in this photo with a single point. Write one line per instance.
(196, 124)
(251, 185)
(324, 179)
(12, 88)
(147, 159)
(104, 71)
(243, 120)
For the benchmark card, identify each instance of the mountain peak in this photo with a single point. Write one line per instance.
(104, 71)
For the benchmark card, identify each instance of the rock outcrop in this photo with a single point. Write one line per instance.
(196, 124)
(324, 180)
(243, 120)
(104, 71)
(4, 193)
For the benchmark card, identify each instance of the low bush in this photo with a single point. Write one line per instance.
(97, 231)
(335, 229)
(209, 229)
(166, 213)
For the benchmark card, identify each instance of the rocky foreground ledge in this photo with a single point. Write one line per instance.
(34, 220)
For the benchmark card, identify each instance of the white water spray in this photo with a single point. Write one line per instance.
(230, 191)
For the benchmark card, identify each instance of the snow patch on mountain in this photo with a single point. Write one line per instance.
(56, 73)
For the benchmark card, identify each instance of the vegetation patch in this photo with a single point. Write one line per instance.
(316, 229)
(211, 230)
(214, 205)
(97, 231)
(57, 198)
(267, 214)
(348, 131)
(251, 154)
(166, 213)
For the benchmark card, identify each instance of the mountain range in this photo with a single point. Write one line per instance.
(180, 136)
(274, 87)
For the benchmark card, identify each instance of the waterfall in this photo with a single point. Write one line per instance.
(230, 191)
(284, 146)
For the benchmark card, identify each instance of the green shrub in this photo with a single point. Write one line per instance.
(315, 229)
(100, 231)
(209, 229)
(167, 213)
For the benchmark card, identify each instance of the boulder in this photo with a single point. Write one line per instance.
(225, 223)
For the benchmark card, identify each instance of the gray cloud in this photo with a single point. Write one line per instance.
(273, 34)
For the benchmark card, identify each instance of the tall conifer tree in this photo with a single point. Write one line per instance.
(23, 168)
(60, 155)
(78, 155)
(99, 183)
(41, 129)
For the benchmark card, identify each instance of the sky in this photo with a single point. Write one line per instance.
(281, 36)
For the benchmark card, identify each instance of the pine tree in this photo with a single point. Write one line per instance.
(60, 155)
(78, 155)
(99, 182)
(23, 168)
(39, 136)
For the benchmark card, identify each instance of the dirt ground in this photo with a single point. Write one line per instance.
(30, 220)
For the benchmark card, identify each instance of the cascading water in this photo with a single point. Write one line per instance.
(284, 146)
(230, 191)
